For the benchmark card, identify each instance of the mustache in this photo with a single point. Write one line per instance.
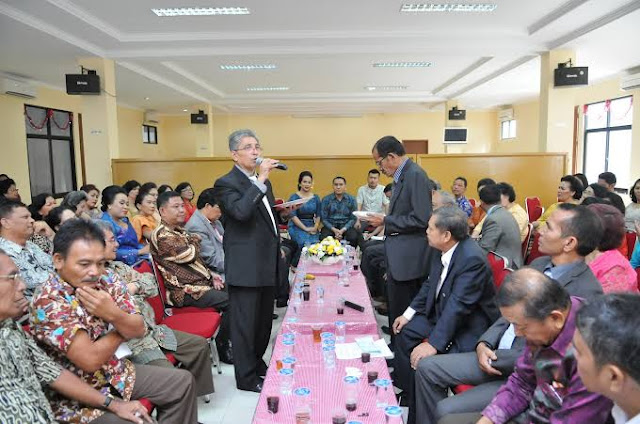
(91, 279)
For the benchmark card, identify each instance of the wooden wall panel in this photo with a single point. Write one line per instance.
(531, 174)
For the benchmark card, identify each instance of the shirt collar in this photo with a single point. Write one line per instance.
(396, 175)
(244, 171)
(557, 271)
(446, 256)
(10, 246)
(620, 417)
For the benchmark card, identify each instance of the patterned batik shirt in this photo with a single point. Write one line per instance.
(33, 263)
(24, 370)
(147, 348)
(55, 316)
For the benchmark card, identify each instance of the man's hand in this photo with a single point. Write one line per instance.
(132, 411)
(132, 288)
(42, 228)
(484, 420)
(375, 219)
(357, 225)
(265, 169)
(485, 356)
(218, 284)
(366, 236)
(423, 350)
(144, 250)
(98, 303)
(337, 233)
(398, 323)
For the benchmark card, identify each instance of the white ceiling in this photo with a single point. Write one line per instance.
(324, 51)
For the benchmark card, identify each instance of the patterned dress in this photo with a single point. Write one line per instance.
(306, 214)
(127, 239)
(55, 317)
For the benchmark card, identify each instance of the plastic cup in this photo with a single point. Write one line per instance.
(320, 294)
(289, 362)
(329, 357)
(288, 347)
(351, 392)
(383, 387)
(302, 405)
(327, 335)
(339, 416)
(341, 331)
(273, 402)
(286, 381)
(393, 415)
(340, 306)
(317, 330)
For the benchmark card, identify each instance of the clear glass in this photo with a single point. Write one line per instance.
(383, 388)
(302, 405)
(619, 158)
(286, 381)
(329, 357)
(38, 117)
(341, 331)
(61, 118)
(62, 166)
(39, 166)
(596, 116)
(351, 392)
(621, 113)
(320, 294)
(596, 153)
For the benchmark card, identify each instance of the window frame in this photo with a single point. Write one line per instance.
(146, 129)
(49, 137)
(512, 123)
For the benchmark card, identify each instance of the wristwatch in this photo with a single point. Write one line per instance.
(107, 401)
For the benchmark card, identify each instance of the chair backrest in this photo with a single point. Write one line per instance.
(638, 272)
(499, 268)
(158, 308)
(534, 252)
(530, 204)
(536, 213)
(631, 243)
(472, 202)
(162, 290)
(527, 241)
(143, 266)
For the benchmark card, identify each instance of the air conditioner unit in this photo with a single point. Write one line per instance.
(151, 117)
(18, 88)
(505, 114)
(630, 82)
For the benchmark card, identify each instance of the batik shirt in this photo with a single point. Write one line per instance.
(338, 213)
(24, 370)
(33, 263)
(55, 317)
(465, 205)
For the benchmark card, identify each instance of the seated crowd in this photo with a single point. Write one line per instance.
(553, 342)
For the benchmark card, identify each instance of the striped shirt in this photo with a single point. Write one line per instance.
(396, 175)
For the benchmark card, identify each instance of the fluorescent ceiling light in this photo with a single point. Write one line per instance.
(448, 7)
(267, 88)
(247, 67)
(201, 11)
(402, 64)
(385, 87)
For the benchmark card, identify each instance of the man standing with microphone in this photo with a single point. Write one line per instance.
(251, 247)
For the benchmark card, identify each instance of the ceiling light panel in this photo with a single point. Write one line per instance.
(402, 64)
(200, 11)
(267, 88)
(448, 7)
(258, 67)
(385, 87)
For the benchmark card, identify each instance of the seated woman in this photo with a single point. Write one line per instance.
(42, 235)
(131, 188)
(187, 194)
(632, 213)
(569, 191)
(152, 188)
(508, 201)
(145, 222)
(77, 201)
(114, 210)
(41, 205)
(93, 194)
(58, 216)
(304, 223)
(609, 266)
(163, 188)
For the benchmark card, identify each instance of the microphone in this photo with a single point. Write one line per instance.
(279, 165)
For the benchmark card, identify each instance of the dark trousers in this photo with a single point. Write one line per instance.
(352, 236)
(290, 249)
(251, 319)
(374, 266)
(401, 293)
(218, 299)
(172, 391)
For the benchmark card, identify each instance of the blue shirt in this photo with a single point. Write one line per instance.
(338, 213)
(464, 204)
(635, 257)
(396, 175)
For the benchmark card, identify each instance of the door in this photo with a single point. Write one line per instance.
(417, 147)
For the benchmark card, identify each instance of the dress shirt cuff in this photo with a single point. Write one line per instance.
(261, 186)
(409, 313)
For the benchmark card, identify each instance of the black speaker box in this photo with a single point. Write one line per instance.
(578, 75)
(199, 118)
(83, 84)
(456, 114)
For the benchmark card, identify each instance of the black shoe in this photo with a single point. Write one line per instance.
(253, 388)
(225, 352)
(275, 316)
(282, 303)
(403, 399)
(382, 309)
(386, 330)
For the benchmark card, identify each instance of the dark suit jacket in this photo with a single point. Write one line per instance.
(579, 282)
(251, 245)
(406, 223)
(211, 249)
(465, 307)
(500, 234)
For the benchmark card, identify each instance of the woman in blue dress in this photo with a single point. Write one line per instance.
(304, 223)
(115, 206)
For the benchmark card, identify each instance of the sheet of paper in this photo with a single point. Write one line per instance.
(353, 351)
(123, 351)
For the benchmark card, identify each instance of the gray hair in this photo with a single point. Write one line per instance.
(453, 220)
(103, 225)
(236, 137)
(446, 199)
(74, 198)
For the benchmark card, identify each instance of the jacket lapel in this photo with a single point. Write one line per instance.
(397, 187)
(245, 184)
(434, 279)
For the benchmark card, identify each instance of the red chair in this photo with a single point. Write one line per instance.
(148, 405)
(461, 388)
(536, 213)
(499, 268)
(473, 202)
(638, 272)
(527, 241)
(534, 252)
(530, 204)
(631, 243)
(282, 228)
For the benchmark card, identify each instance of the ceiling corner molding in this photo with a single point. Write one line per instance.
(466, 71)
(554, 15)
(194, 79)
(161, 80)
(593, 25)
(87, 18)
(45, 27)
(518, 62)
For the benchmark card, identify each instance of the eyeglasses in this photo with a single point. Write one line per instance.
(14, 278)
(186, 189)
(249, 147)
(379, 161)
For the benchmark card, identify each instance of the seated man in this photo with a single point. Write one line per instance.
(25, 368)
(500, 232)
(16, 227)
(453, 308)
(371, 197)
(458, 188)
(187, 278)
(377, 231)
(545, 386)
(605, 337)
(478, 214)
(190, 350)
(572, 232)
(81, 318)
(337, 214)
(205, 222)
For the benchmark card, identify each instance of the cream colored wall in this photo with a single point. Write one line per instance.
(527, 117)
(13, 160)
(130, 136)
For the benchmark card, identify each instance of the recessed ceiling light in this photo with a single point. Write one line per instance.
(267, 88)
(247, 67)
(201, 11)
(185, 110)
(402, 64)
(448, 7)
(385, 87)
(147, 98)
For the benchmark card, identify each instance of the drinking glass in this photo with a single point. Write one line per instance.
(351, 392)
(286, 380)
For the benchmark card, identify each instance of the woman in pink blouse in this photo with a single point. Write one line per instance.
(610, 267)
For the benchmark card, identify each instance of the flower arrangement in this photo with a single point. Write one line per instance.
(328, 251)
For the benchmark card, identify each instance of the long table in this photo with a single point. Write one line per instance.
(327, 391)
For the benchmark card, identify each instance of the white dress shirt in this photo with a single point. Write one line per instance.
(621, 418)
(265, 201)
(445, 258)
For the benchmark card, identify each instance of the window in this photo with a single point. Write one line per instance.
(508, 129)
(607, 139)
(50, 150)
(149, 134)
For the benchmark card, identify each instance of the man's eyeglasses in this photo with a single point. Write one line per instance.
(379, 161)
(14, 278)
(257, 147)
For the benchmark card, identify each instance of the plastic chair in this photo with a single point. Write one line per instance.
(499, 268)
(631, 243)
(534, 252)
(473, 202)
(527, 241)
(282, 228)
(530, 204)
